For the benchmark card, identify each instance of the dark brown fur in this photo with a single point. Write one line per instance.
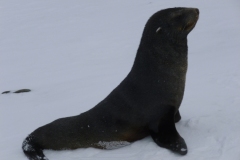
(145, 103)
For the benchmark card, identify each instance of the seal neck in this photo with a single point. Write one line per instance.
(156, 58)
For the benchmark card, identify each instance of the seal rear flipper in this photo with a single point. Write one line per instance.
(167, 136)
(31, 150)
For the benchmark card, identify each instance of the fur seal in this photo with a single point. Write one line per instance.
(145, 103)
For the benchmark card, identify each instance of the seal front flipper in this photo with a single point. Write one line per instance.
(166, 135)
(177, 117)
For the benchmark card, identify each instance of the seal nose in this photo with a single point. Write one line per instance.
(197, 11)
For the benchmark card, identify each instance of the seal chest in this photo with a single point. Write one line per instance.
(145, 103)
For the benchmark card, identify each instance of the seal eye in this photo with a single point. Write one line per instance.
(159, 28)
(181, 28)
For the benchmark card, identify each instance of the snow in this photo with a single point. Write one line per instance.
(112, 144)
(71, 54)
(26, 146)
(183, 149)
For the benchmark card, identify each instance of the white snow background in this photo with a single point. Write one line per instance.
(72, 54)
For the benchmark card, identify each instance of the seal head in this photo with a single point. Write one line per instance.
(172, 24)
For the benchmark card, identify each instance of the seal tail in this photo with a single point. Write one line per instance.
(31, 150)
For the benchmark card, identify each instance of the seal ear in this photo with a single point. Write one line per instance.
(158, 29)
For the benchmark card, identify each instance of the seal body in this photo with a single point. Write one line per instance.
(145, 103)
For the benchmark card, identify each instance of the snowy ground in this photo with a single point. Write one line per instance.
(71, 54)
